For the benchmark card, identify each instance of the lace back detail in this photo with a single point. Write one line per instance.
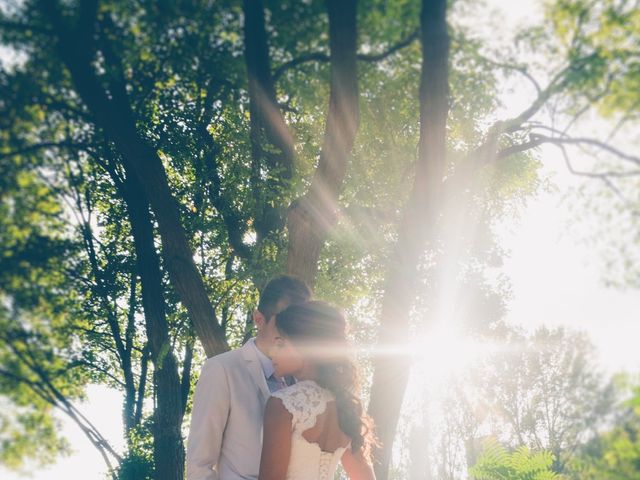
(326, 463)
(304, 400)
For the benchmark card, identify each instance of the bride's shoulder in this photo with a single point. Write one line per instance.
(304, 400)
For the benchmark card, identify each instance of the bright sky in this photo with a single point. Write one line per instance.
(555, 281)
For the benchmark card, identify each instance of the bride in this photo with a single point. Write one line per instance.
(319, 421)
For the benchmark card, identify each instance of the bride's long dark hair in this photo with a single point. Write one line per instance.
(322, 328)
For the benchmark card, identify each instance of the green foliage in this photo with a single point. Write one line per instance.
(606, 33)
(615, 453)
(540, 391)
(29, 432)
(138, 463)
(547, 391)
(496, 463)
(69, 290)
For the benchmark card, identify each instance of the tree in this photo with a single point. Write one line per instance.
(37, 297)
(419, 215)
(548, 393)
(614, 453)
(253, 138)
(608, 92)
(578, 59)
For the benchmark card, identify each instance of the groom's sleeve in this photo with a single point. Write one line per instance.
(208, 421)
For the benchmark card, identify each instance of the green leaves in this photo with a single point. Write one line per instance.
(607, 35)
(67, 273)
(615, 453)
(496, 463)
(29, 433)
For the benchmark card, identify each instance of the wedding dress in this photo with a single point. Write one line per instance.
(305, 401)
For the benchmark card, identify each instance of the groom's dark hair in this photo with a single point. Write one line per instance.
(283, 289)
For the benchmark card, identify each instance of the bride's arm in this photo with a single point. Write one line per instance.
(276, 441)
(356, 466)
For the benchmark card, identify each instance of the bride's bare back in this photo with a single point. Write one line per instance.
(302, 437)
(326, 432)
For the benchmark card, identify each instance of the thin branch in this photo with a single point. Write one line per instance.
(628, 114)
(604, 178)
(93, 366)
(592, 100)
(589, 141)
(518, 148)
(516, 68)
(557, 83)
(57, 399)
(376, 57)
(536, 140)
(306, 58)
(35, 386)
(142, 385)
(324, 58)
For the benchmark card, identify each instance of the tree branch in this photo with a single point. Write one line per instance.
(538, 139)
(603, 177)
(185, 382)
(365, 57)
(142, 384)
(557, 83)
(516, 68)
(113, 114)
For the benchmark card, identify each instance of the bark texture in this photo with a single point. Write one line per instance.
(114, 116)
(312, 215)
(417, 225)
(272, 145)
(168, 448)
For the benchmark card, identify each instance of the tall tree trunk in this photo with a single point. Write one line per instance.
(272, 145)
(417, 225)
(168, 448)
(312, 216)
(114, 116)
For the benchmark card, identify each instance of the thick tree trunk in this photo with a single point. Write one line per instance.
(272, 145)
(114, 116)
(168, 449)
(312, 215)
(417, 225)
(141, 160)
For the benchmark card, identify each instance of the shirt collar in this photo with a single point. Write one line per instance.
(265, 362)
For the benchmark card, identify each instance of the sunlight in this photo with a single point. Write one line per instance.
(443, 352)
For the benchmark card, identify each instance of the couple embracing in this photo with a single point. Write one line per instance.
(286, 405)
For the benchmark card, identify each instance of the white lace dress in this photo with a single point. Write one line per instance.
(306, 400)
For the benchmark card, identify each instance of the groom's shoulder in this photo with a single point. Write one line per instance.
(224, 360)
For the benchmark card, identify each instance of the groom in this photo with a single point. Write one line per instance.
(225, 437)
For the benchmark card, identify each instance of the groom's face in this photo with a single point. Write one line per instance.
(267, 326)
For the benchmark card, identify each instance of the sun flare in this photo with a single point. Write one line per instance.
(443, 352)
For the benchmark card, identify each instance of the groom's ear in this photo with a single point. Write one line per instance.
(258, 319)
